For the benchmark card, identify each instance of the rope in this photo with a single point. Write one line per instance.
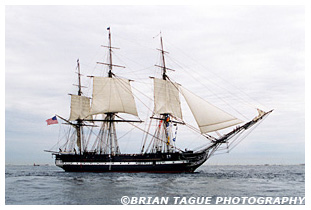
(251, 130)
(126, 133)
(211, 89)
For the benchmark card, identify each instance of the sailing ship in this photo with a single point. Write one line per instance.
(112, 95)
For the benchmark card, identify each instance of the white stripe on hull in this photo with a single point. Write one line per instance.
(61, 163)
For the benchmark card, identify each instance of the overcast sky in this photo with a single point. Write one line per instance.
(223, 53)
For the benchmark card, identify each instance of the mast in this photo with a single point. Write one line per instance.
(111, 95)
(112, 140)
(166, 106)
(79, 121)
(79, 79)
(165, 117)
(109, 121)
(79, 112)
(164, 76)
(110, 54)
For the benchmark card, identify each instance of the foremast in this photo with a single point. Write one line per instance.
(167, 107)
(165, 117)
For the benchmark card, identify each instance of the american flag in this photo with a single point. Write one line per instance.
(52, 121)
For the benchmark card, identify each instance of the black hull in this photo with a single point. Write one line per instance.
(172, 168)
(153, 163)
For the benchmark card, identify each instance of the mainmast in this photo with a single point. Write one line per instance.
(109, 121)
(111, 95)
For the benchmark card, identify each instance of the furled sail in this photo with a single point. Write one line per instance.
(166, 98)
(112, 95)
(208, 117)
(80, 108)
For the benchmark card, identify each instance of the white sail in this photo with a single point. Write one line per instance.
(80, 108)
(166, 98)
(112, 95)
(208, 117)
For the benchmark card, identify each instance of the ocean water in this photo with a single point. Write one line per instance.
(51, 185)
